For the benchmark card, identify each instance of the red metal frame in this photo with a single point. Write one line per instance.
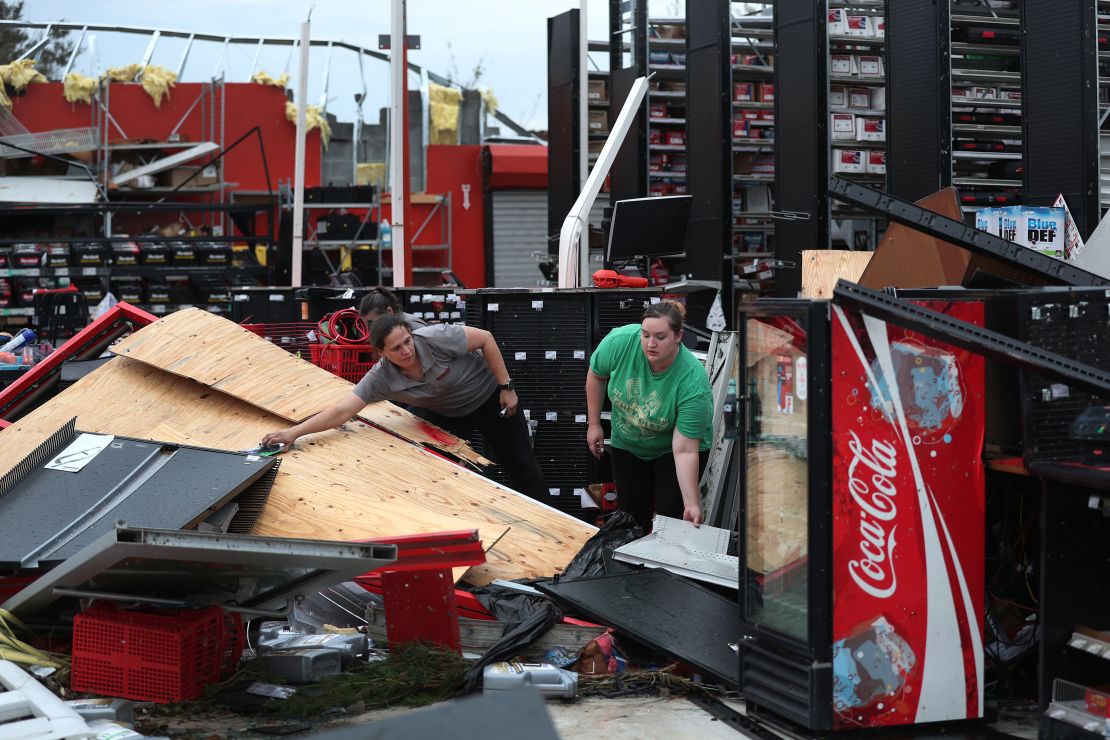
(90, 340)
(419, 588)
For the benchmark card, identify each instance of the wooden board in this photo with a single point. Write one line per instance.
(224, 356)
(353, 483)
(821, 268)
(907, 258)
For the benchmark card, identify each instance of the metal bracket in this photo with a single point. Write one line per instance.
(970, 337)
(979, 242)
(412, 41)
(790, 215)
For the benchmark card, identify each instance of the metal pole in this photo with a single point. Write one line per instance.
(298, 166)
(398, 155)
(584, 90)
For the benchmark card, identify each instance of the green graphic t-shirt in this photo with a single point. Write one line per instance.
(647, 406)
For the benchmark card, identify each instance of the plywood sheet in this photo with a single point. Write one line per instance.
(907, 258)
(821, 268)
(224, 356)
(355, 482)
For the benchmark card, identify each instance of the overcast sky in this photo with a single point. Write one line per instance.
(507, 38)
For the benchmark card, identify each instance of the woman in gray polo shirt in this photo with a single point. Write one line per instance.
(384, 302)
(454, 372)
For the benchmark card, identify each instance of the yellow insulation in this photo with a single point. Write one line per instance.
(21, 73)
(490, 100)
(157, 82)
(123, 74)
(443, 114)
(262, 78)
(79, 89)
(5, 101)
(313, 118)
(370, 173)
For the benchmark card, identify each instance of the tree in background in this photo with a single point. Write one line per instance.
(50, 59)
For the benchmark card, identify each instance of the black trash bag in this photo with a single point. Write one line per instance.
(526, 616)
(619, 529)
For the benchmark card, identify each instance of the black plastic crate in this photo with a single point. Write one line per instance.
(128, 289)
(26, 256)
(210, 288)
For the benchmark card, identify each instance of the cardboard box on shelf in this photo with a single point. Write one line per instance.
(878, 98)
(870, 66)
(741, 163)
(675, 138)
(767, 92)
(859, 98)
(757, 198)
(598, 122)
(838, 21)
(743, 92)
(984, 93)
(838, 96)
(842, 126)
(1014, 95)
(657, 110)
(961, 94)
(597, 91)
(1041, 229)
(849, 160)
(174, 177)
(870, 129)
(858, 25)
(669, 30)
(876, 162)
(842, 65)
(741, 128)
(878, 23)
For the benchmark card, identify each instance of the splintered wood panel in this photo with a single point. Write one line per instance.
(353, 483)
(222, 355)
(821, 268)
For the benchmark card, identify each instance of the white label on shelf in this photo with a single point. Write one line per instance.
(537, 305)
(579, 418)
(654, 300)
(456, 315)
(452, 298)
(418, 315)
(579, 354)
(493, 307)
(277, 297)
(444, 315)
(157, 308)
(553, 491)
(551, 416)
(528, 414)
(520, 356)
(550, 355)
(415, 299)
(241, 298)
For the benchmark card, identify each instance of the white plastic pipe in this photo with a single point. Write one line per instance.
(298, 161)
(398, 131)
(573, 260)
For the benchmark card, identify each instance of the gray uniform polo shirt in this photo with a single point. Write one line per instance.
(454, 382)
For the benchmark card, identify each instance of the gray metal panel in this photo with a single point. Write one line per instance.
(199, 568)
(46, 503)
(519, 229)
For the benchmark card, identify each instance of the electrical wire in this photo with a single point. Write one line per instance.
(344, 328)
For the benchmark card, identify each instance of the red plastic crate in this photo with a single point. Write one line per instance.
(161, 657)
(293, 337)
(348, 361)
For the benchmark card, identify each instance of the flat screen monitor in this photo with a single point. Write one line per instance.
(648, 227)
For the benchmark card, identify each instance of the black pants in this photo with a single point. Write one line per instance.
(647, 487)
(506, 437)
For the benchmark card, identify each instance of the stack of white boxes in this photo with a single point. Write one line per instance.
(856, 111)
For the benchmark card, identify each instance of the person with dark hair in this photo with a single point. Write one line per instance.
(384, 302)
(457, 375)
(662, 419)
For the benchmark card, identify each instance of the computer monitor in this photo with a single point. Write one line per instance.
(648, 227)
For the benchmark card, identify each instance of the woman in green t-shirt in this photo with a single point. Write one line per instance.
(662, 415)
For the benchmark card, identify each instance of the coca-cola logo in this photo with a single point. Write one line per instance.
(871, 479)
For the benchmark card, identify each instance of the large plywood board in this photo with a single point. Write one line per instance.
(224, 356)
(355, 482)
(821, 268)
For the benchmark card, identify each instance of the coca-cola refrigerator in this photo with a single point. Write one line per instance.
(862, 518)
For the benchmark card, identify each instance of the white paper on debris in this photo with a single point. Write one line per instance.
(680, 547)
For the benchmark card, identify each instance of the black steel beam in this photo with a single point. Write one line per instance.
(972, 338)
(1059, 121)
(802, 135)
(919, 97)
(709, 144)
(563, 96)
(1010, 254)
